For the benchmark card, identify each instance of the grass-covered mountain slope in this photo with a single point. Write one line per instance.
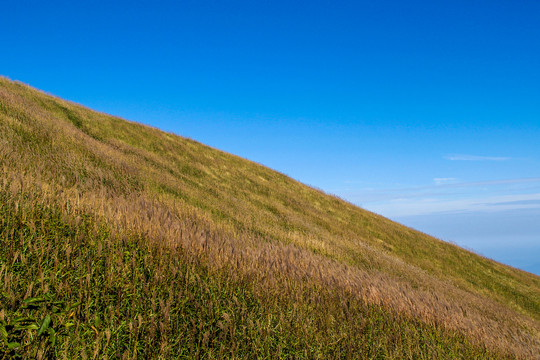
(118, 240)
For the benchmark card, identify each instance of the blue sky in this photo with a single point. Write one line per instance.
(427, 112)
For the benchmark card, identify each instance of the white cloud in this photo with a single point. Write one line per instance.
(441, 187)
(440, 181)
(411, 207)
(476, 158)
(447, 195)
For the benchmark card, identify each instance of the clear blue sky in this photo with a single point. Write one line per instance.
(427, 112)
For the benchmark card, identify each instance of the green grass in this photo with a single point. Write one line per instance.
(118, 240)
(71, 289)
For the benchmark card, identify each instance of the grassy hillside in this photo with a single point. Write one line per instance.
(118, 240)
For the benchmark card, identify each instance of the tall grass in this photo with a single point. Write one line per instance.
(73, 287)
(121, 241)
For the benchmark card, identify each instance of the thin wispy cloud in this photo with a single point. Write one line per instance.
(494, 182)
(476, 158)
(440, 184)
(434, 205)
(518, 202)
(447, 195)
(441, 181)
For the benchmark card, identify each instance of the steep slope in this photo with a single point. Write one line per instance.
(135, 241)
